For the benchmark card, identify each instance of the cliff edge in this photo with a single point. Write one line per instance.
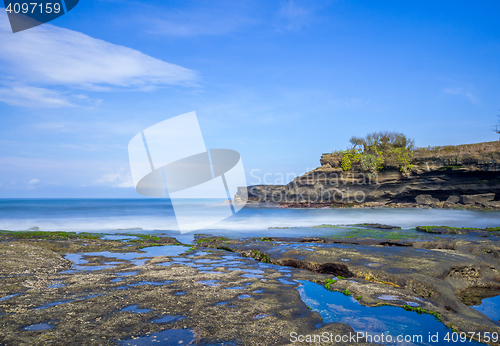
(462, 176)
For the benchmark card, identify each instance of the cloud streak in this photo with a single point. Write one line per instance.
(293, 16)
(26, 96)
(206, 19)
(461, 92)
(117, 179)
(50, 56)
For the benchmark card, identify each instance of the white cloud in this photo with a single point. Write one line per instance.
(117, 179)
(50, 56)
(33, 182)
(461, 92)
(26, 96)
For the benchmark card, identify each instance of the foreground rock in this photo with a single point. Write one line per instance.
(434, 275)
(240, 291)
(204, 297)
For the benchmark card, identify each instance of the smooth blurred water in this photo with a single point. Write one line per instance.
(156, 214)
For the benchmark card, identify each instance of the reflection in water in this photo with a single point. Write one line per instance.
(38, 326)
(166, 337)
(135, 309)
(374, 321)
(490, 307)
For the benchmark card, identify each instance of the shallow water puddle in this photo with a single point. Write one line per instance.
(167, 319)
(166, 337)
(490, 307)
(48, 305)
(251, 276)
(56, 284)
(210, 283)
(206, 260)
(38, 326)
(251, 271)
(286, 282)
(137, 258)
(119, 237)
(398, 298)
(375, 322)
(10, 296)
(212, 272)
(135, 309)
(126, 273)
(151, 283)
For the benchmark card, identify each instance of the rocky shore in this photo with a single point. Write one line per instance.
(85, 289)
(455, 177)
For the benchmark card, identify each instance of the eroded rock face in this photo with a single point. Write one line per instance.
(467, 177)
(426, 199)
(480, 199)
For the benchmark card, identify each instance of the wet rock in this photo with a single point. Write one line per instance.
(89, 305)
(377, 225)
(336, 269)
(22, 258)
(453, 199)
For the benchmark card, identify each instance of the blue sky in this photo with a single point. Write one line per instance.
(279, 81)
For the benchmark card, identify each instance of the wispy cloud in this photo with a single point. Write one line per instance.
(461, 92)
(49, 56)
(26, 96)
(212, 18)
(121, 178)
(293, 16)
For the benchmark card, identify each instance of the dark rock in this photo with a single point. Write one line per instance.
(470, 171)
(449, 205)
(479, 199)
(453, 199)
(426, 199)
(493, 204)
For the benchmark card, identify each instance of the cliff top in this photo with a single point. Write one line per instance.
(458, 150)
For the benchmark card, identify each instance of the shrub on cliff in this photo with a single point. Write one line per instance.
(376, 151)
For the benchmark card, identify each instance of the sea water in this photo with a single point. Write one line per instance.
(157, 215)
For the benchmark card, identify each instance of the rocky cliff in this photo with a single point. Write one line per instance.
(450, 177)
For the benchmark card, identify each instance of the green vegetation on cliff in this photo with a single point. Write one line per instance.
(375, 152)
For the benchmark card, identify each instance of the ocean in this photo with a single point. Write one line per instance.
(157, 215)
